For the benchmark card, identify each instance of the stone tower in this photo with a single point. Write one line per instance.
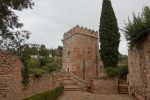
(81, 52)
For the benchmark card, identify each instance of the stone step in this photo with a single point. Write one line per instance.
(71, 86)
(122, 92)
(122, 82)
(69, 83)
(73, 89)
(123, 85)
(65, 79)
(123, 89)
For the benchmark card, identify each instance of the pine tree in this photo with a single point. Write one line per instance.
(109, 35)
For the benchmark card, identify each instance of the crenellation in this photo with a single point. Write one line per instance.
(81, 30)
(85, 28)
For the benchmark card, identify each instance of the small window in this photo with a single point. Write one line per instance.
(68, 53)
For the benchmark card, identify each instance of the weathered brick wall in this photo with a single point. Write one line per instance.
(81, 52)
(103, 86)
(139, 71)
(38, 85)
(10, 77)
(11, 87)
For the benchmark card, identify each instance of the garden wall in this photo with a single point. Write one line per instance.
(10, 77)
(38, 85)
(139, 70)
(11, 87)
(104, 86)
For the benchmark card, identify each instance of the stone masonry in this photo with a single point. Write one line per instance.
(139, 70)
(10, 77)
(81, 53)
(11, 87)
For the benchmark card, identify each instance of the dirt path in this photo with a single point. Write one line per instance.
(81, 95)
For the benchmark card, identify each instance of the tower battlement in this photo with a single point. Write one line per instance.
(81, 30)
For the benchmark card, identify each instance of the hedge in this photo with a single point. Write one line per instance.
(120, 71)
(49, 95)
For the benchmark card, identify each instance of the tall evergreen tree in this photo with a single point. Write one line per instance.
(109, 35)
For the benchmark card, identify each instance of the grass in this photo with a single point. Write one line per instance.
(49, 95)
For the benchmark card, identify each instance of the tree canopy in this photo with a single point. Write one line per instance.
(138, 29)
(10, 36)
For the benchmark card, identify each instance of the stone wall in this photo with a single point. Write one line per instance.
(38, 85)
(10, 77)
(81, 52)
(11, 87)
(104, 86)
(139, 70)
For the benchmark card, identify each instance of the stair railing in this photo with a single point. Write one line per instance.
(82, 83)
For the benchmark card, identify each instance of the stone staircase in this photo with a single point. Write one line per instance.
(122, 87)
(70, 85)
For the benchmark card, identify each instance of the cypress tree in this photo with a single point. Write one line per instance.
(109, 35)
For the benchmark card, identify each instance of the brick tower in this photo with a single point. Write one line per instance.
(81, 52)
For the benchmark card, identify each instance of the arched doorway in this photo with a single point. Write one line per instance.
(68, 70)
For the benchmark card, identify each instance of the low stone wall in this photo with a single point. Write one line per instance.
(139, 71)
(104, 86)
(11, 87)
(38, 85)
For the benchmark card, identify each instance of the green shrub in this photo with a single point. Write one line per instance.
(119, 72)
(52, 67)
(25, 75)
(111, 71)
(123, 71)
(37, 72)
(45, 60)
(49, 95)
(24, 57)
(122, 57)
(33, 63)
(137, 30)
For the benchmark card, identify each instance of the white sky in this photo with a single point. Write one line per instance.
(49, 19)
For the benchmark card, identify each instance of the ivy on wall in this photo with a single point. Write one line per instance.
(24, 56)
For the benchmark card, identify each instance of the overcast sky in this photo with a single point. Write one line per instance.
(49, 19)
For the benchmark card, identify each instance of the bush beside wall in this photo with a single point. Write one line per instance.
(119, 72)
(49, 95)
